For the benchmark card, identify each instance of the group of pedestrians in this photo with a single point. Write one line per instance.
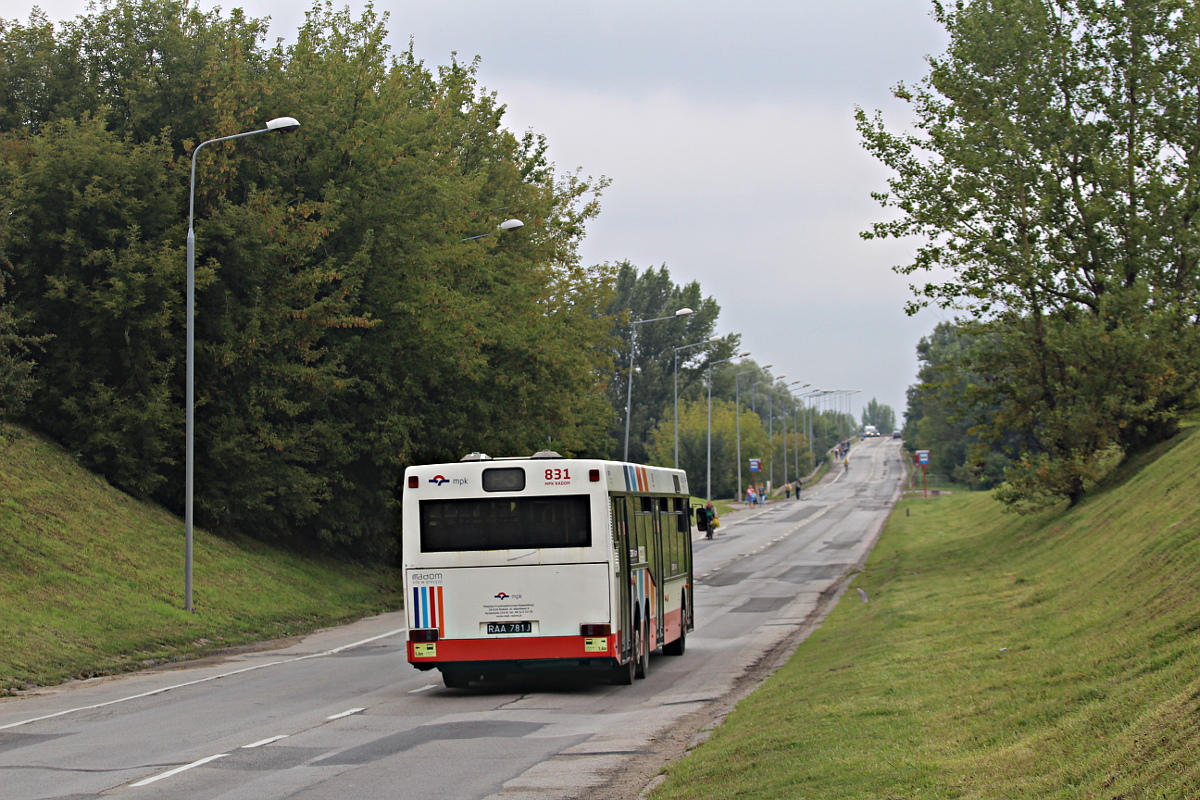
(756, 497)
(706, 517)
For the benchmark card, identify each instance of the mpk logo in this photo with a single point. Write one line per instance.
(438, 480)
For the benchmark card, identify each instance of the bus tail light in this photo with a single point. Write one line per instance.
(413, 481)
(593, 631)
(423, 635)
(594, 475)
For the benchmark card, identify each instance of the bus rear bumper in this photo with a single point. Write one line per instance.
(560, 650)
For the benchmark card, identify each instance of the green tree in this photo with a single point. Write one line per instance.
(16, 361)
(944, 412)
(694, 444)
(651, 295)
(882, 416)
(1053, 175)
(344, 327)
(40, 74)
(95, 265)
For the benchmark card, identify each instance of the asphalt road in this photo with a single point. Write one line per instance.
(341, 714)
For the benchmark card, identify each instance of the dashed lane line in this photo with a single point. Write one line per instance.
(231, 673)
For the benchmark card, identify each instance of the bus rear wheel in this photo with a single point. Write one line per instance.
(677, 647)
(622, 674)
(641, 653)
(455, 679)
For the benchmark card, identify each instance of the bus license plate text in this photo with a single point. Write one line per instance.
(510, 627)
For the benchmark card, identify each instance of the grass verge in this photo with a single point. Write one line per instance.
(91, 581)
(998, 657)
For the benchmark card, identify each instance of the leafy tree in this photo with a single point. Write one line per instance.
(39, 74)
(95, 265)
(16, 362)
(882, 416)
(944, 412)
(344, 327)
(651, 295)
(694, 444)
(1053, 175)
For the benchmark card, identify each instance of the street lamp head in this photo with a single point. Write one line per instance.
(766, 366)
(683, 312)
(283, 124)
(511, 224)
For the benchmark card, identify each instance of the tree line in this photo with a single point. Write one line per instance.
(347, 324)
(1052, 176)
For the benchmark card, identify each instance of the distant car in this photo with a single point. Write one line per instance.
(896, 434)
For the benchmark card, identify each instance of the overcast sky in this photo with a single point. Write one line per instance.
(727, 131)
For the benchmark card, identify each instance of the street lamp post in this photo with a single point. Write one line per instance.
(507, 225)
(795, 428)
(808, 419)
(737, 408)
(283, 125)
(676, 371)
(785, 459)
(771, 431)
(683, 312)
(711, 364)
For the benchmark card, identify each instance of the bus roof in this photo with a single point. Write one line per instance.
(556, 473)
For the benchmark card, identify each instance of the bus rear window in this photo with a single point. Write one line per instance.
(511, 523)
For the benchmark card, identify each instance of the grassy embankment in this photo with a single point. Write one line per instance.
(998, 657)
(91, 581)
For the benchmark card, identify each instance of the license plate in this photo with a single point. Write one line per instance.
(510, 627)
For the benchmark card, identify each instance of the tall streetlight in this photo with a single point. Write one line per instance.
(677, 349)
(507, 225)
(712, 364)
(683, 312)
(838, 395)
(771, 429)
(283, 125)
(850, 408)
(738, 413)
(796, 429)
(785, 478)
(808, 418)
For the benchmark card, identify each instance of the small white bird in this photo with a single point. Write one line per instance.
(863, 595)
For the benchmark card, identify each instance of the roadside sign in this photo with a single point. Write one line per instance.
(923, 457)
(756, 465)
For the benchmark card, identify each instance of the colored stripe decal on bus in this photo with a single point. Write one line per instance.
(428, 607)
(637, 479)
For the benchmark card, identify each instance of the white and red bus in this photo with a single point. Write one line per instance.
(512, 564)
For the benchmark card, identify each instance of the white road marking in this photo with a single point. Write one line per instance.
(345, 713)
(152, 692)
(178, 770)
(424, 688)
(265, 741)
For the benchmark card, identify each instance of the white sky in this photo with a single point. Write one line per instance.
(727, 130)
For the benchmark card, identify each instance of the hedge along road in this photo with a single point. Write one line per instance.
(341, 713)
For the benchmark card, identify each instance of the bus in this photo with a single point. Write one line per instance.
(545, 562)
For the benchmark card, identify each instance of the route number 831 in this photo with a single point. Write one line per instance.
(558, 474)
